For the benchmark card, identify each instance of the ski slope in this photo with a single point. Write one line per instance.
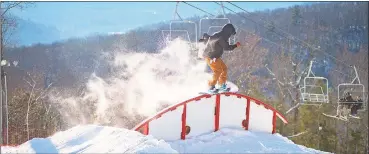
(102, 139)
(231, 140)
(93, 139)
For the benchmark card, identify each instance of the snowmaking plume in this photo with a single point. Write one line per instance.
(142, 83)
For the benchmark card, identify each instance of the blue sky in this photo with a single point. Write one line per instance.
(75, 19)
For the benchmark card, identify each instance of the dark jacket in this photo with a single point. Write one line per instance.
(218, 42)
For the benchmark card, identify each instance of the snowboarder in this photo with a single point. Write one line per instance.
(215, 46)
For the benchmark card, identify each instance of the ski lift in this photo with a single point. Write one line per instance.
(188, 34)
(183, 34)
(351, 96)
(180, 29)
(311, 92)
(165, 35)
(213, 25)
(213, 29)
(351, 99)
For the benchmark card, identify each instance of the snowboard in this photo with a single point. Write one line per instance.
(215, 92)
(231, 87)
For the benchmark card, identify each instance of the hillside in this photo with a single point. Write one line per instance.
(32, 33)
(319, 22)
(26, 33)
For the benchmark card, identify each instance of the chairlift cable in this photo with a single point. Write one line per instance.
(197, 8)
(308, 45)
(293, 37)
(181, 26)
(263, 37)
(176, 13)
(265, 26)
(224, 15)
(239, 27)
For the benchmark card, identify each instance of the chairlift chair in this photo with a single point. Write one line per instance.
(189, 33)
(213, 29)
(310, 97)
(165, 35)
(351, 99)
(176, 30)
(168, 35)
(351, 96)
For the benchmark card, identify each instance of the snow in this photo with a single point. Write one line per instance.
(103, 139)
(229, 140)
(200, 115)
(169, 120)
(93, 139)
(232, 112)
(260, 118)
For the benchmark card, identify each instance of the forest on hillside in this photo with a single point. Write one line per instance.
(278, 46)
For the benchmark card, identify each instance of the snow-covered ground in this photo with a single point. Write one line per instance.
(93, 139)
(102, 139)
(229, 140)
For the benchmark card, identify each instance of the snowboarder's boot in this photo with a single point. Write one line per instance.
(212, 89)
(223, 88)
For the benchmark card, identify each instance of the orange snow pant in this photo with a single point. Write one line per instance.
(219, 71)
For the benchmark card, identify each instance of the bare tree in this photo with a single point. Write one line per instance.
(32, 85)
(33, 115)
(6, 24)
(252, 56)
(33, 98)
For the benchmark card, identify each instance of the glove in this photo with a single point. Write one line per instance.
(213, 60)
(238, 44)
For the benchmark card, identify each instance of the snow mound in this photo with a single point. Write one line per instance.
(93, 139)
(102, 139)
(229, 140)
